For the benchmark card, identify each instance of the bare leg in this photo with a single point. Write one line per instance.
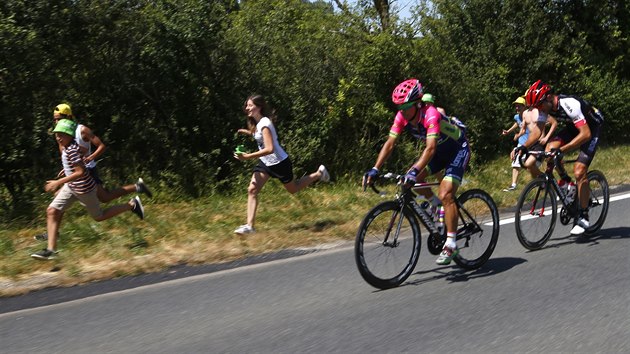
(583, 188)
(447, 196)
(299, 184)
(53, 221)
(530, 164)
(105, 196)
(258, 181)
(515, 171)
(114, 210)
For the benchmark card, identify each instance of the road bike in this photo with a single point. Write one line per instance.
(388, 242)
(537, 207)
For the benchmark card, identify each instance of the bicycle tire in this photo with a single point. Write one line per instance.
(387, 266)
(598, 202)
(533, 230)
(478, 220)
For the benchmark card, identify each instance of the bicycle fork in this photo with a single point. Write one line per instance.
(392, 221)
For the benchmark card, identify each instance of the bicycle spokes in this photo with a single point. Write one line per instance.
(536, 213)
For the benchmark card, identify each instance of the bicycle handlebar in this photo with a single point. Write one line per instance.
(388, 175)
(398, 178)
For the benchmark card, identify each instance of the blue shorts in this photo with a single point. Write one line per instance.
(282, 171)
(452, 161)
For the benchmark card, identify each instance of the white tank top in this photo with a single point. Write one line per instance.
(85, 145)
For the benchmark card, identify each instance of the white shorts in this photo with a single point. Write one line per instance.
(66, 197)
(516, 163)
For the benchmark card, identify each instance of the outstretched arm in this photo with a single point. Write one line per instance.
(88, 135)
(553, 124)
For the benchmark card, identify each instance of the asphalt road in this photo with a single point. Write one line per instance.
(568, 297)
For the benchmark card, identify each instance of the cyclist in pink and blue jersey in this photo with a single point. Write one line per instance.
(446, 148)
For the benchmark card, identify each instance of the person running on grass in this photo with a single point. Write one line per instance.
(85, 137)
(273, 159)
(76, 185)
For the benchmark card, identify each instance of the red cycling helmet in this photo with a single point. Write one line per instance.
(407, 91)
(536, 93)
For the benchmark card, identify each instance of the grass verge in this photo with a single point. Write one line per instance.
(200, 231)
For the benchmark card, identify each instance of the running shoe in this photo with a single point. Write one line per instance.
(244, 229)
(45, 254)
(141, 187)
(325, 175)
(137, 209)
(510, 188)
(41, 237)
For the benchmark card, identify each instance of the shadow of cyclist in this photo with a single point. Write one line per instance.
(456, 274)
(615, 233)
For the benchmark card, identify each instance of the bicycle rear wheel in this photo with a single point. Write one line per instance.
(536, 213)
(598, 203)
(477, 229)
(387, 245)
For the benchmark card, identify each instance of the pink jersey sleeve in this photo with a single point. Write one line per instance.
(399, 125)
(431, 122)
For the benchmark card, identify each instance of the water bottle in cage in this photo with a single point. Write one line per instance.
(568, 187)
(571, 192)
(440, 221)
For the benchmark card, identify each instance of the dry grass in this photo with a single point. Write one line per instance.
(200, 231)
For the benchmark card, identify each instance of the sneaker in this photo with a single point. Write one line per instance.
(41, 237)
(446, 256)
(510, 188)
(244, 229)
(45, 254)
(580, 227)
(138, 209)
(325, 175)
(141, 187)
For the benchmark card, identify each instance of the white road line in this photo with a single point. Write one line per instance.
(512, 219)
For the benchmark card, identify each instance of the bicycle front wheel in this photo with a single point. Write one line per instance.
(536, 213)
(477, 229)
(387, 245)
(598, 202)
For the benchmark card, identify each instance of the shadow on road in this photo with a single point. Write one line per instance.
(456, 274)
(615, 233)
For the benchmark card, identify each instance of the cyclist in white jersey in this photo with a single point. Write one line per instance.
(274, 161)
(583, 126)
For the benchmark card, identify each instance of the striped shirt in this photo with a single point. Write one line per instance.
(71, 157)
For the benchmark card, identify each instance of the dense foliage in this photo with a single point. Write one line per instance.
(162, 82)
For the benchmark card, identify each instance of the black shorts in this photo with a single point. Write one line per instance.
(94, 173)
(588, 149)
(282, 171)
(538, 147)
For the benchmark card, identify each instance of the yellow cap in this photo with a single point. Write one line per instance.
(63, 109)
(520, 100)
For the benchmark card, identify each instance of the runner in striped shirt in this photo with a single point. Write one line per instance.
(77, 184)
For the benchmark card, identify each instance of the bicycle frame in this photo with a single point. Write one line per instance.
(405, 198)
(550, 181)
